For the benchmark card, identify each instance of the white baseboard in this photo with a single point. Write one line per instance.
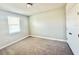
(32, 36)
(13, 42)
(49, 38)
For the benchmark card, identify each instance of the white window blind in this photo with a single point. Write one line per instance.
(14, 24)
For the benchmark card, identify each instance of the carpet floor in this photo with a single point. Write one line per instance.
(37, 46)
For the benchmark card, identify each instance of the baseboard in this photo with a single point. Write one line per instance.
(49, 38)
(31, 36)
(13, 42)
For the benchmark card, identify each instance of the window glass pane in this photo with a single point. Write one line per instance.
(13, 20)
(14, 24)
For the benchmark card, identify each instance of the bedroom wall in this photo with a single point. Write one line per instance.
(51, 24)
(5, 37)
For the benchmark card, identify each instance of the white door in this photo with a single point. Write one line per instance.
(72, 27)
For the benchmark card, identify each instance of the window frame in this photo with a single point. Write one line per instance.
(14, 24)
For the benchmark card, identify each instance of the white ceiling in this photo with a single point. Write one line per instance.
(36, 8)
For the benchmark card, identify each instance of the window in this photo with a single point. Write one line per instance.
(14, 24)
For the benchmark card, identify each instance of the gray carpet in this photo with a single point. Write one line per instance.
(37, 46)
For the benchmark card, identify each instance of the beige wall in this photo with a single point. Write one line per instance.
(49, 24)
(5, 37)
